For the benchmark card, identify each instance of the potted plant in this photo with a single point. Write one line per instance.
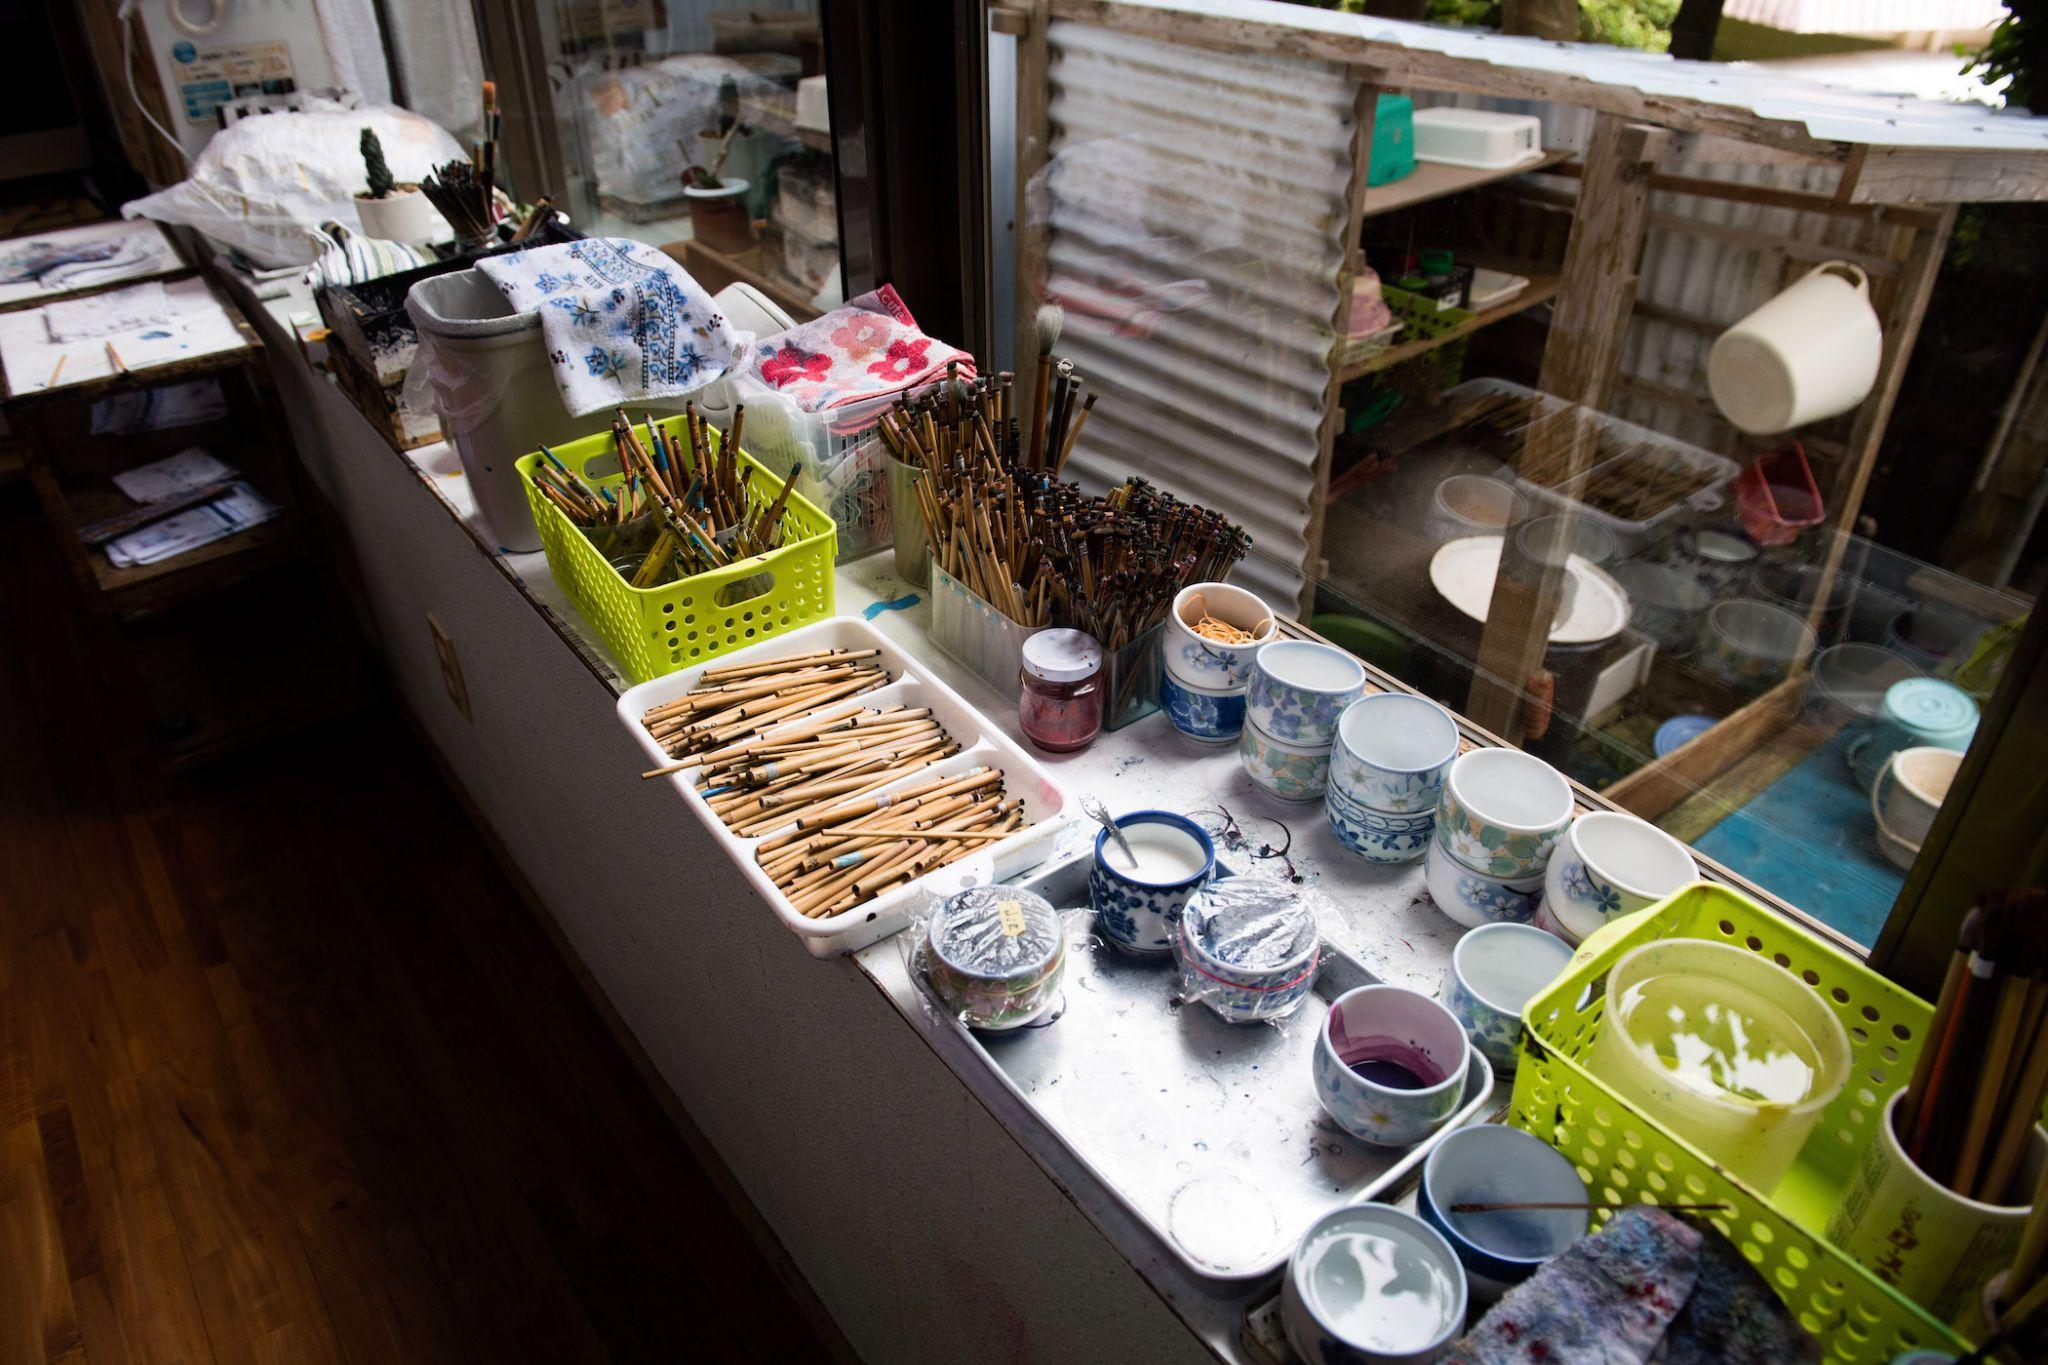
(396, 213)
(718, 204)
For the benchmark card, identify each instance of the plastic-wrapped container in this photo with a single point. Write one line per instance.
(1248, 948)
(994, 955)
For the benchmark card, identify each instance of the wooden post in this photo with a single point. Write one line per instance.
(1364, 108)
(1588, 323)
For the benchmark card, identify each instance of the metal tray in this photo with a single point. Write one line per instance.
(1209, 1133)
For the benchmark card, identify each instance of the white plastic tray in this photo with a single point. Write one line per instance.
(1046, 804)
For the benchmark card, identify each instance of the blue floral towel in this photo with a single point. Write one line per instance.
(623, 323)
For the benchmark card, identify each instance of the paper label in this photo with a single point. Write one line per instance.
(1010, 916)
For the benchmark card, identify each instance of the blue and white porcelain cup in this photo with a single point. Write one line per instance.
(1206, 715)
(1473, 898)
(1299, 688)
(1502, 812)
(1248, 948)
(1390, 1065)
(1137, 908)
(1611, 864)
(1374, 835)
(1201, 663)
(1391, 753)
(1495, 970)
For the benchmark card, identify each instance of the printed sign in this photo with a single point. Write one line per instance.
(211, 77)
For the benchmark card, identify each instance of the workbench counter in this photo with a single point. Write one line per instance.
(879, 1151)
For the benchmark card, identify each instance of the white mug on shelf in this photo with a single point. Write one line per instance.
(1809, 353)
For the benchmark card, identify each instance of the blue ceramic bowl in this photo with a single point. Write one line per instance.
(1494, 971)
(1473, 898)
(1223, 929)
(1292, 772)
(1373, 835)
(1392, 751)
(1140, 916)
(1370, 1284)
(1299, 688)
(1492, 1164)
(1206, 715)
(1382, 1023)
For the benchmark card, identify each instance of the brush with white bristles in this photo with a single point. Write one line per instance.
(1051, 317)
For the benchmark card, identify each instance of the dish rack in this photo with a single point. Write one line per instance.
(1046, 803)
(652, 631)
(1624, 1156)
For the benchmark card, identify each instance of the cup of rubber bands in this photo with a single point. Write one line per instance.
(1210, 636)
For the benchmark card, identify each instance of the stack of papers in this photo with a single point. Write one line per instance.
(240, 508)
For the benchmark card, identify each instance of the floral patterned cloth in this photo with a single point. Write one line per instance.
(623, 323)
(868, 349)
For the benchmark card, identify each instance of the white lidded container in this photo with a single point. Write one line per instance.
(1481, 138)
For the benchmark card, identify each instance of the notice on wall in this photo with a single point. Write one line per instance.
(212, 76)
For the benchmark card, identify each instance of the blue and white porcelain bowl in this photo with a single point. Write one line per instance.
(1292, 772)
(1374, 1025)
(1495, 970)
(1203, 663)
(1136, 909)
(1391, 753)
(1473, 898)
(1490, 1163)
(1374, 835)
(1248, 948)
(1612, 864)
(1370, 1284)
(1299, 688)
(1206, 715)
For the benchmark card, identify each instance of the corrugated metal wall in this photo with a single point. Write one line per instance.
(1192, 205)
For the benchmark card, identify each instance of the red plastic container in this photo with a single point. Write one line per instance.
(1777, 497)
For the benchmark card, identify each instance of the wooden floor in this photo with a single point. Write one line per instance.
(288, 1073)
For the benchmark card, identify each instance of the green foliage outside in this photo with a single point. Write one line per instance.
(2018, 49)
(1644, 24)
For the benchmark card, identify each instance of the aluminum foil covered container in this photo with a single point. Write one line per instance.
(1248, 948)
(994, 955)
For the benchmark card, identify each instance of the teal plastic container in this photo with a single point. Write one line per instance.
(1393, 140)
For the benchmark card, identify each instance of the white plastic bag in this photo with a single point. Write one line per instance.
(264, 184)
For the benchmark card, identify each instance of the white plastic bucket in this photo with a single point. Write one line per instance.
(495, 390)
(1811, 352)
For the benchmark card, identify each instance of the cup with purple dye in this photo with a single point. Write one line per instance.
(1390, 1065)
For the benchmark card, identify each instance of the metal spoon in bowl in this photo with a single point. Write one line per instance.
(1093, 807)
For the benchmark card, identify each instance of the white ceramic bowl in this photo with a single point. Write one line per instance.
(1749, 644)
(1502, 812)
(1392, 751)
(1210, 664)
(1495, 970)
(1612, 864)
(1474, 899)
(1375, 1285)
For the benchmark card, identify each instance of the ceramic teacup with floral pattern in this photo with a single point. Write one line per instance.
(1391, 752)
(1375, 835)
(1299, 688)
(1502, 812)
(1136, 908)
(1390, 1065)
(1199, 662)
(1292, 772)
(1495, 970)
(1207, 715)
(1612, 864)
(1474, 899)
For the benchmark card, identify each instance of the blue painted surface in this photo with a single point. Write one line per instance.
(1808, 837)
(903, 603)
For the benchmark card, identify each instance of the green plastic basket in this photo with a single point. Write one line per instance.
(1421, 319)
(652, 631)
(1625, 1157)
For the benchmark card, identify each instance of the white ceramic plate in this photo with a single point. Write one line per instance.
(1463, 571)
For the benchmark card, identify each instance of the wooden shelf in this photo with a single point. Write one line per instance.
(717, 269)
(181, 576)
(1542, 288)
(1434, 180)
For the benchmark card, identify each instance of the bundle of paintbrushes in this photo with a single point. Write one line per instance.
(684, 505)
(1982, 1073)
(784, 753)
(1039, 550)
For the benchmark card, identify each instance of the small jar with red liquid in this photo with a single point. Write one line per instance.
(1059, 698)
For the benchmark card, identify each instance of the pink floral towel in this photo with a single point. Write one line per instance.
(867, 349)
